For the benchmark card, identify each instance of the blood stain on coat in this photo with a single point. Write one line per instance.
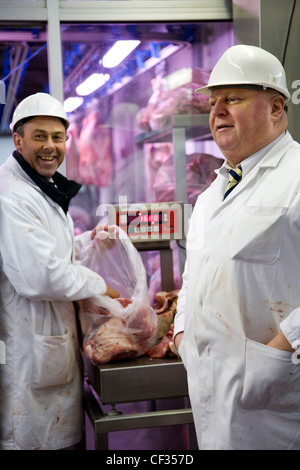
(228, 329)
(281, 308)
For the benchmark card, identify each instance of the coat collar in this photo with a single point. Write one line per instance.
(61, 190)
(269, 160)
(275, 154)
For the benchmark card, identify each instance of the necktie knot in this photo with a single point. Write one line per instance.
(235, 176)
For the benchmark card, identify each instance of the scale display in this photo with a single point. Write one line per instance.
(149, 221)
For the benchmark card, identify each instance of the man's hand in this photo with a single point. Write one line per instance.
(177, 339)
(280, 342)
(104, 232)
(113, 293)
(106, 235)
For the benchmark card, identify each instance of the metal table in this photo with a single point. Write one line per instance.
(133, 380)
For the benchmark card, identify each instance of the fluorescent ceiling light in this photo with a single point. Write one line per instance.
(118, 52)
(72, 103)
(94, 81)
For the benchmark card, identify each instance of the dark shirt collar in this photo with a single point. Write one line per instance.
(60, 191)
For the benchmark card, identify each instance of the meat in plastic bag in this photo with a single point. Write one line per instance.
(120, 328)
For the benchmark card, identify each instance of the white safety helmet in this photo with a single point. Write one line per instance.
(39, 104)
(247, 65)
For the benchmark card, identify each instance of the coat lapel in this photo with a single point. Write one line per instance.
(216, 191)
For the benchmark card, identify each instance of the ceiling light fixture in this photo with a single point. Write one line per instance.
(92, 83)
(118, 52)
(72, 103)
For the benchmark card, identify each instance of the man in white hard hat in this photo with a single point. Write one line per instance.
(237, 326)
(41, 381)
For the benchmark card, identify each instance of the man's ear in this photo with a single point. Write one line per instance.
(17, 140)
(278, 104)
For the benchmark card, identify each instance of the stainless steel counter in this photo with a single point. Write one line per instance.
(133, 380)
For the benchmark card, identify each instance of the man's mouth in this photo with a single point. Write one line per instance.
(46, 158)
(222, 126)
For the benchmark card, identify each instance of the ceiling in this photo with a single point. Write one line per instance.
(23, 55)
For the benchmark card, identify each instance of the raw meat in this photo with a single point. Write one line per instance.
(124, 302)
(73, 153)
(180, 101)
(110, 342)
(91, 310)
(174, 94)
(142, 325)
(116, 339)
(165, 307)
(200, 174)
(165, 347)
(122, 327)
(95, 164)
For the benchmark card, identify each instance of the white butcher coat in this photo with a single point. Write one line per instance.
(240, 286)
(41, 380)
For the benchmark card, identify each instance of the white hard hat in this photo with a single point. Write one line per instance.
(247, 65)
(39, 104)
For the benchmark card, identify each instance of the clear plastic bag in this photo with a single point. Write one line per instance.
(116, 328)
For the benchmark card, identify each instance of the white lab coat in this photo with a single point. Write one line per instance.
(241, 285)
(41, 381)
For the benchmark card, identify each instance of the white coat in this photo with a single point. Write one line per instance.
(241, 285)
(41, 381)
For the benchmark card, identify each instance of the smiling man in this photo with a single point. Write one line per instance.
(41, 142)
(41, 380)
(238, 311)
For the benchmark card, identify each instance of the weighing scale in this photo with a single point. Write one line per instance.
(151, 227)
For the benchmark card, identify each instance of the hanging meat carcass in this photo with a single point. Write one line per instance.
(95, 163)
(73, 153)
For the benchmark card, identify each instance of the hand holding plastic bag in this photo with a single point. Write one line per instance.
(123, 327)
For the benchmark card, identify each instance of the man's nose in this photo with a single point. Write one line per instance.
(218, 108)
(49, 143)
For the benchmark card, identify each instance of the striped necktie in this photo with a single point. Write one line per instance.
(235, 176)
